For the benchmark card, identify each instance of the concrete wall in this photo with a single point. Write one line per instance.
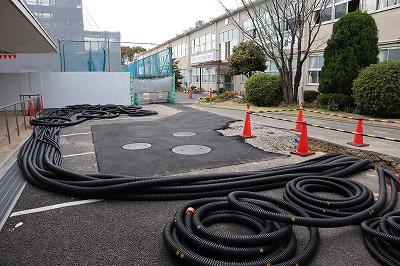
(67, 88)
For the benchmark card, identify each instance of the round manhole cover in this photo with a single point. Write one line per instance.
(136, 146)
(183, 134)
(191, 149)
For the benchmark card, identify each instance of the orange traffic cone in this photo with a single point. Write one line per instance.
(299, 126)
(210, 93)
(247, 126)
(302, 148)
(31, 110)
(358, 140)
(39, 104)
(190, 94)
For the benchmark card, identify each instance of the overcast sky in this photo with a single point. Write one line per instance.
(150, 21)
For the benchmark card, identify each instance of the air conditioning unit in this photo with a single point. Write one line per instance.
(199, 23)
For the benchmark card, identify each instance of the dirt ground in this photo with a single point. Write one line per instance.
(386, 161)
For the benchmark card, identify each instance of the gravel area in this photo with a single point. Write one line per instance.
(267, 138)
(278, 140)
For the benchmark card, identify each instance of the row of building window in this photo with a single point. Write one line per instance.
(203, 43)
(179, 50)
(316, 62)
(203, 74)
(374, 5)
(334, 10)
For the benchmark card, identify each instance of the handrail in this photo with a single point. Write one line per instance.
(4, 108)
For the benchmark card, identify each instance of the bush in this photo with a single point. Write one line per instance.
(221, 90)
(263, 89)
(376, 90)
(310, 96)
(352, 46)
(336, 101)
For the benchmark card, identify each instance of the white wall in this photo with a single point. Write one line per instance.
(67, 88)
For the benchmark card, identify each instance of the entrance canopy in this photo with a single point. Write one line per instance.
(20, 32)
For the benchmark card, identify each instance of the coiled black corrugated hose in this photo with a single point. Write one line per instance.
(187, 235)
(382, 235)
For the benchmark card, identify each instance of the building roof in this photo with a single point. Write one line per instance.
(20, 32)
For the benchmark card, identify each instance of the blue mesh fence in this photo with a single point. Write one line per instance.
(157, 65)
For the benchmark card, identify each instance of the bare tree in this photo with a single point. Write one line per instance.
(286, 31)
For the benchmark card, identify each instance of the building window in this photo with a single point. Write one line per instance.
(315, 63)
(335, 10)
(179, 50)
(389, 54)
(228, 40)
(205, 77)
(203, 43)
(195, 74)
(202, 47)
(208, 42)
(250, 30)
(381, 4)
(192, 46)
(271, 67)
(213, 40)
(212, 74)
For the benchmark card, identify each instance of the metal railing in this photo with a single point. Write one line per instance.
(11, 112)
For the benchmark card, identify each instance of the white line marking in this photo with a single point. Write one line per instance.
(56, 206)
(78, 154)
(76, 134)
(18, 224)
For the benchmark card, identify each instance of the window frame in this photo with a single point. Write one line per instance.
(315, 69)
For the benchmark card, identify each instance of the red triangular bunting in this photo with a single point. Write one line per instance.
(9, 56)
(15, 56)
(1, 56)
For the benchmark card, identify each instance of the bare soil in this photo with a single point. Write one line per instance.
(386, 161)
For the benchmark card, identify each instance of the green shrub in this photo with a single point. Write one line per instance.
(263, 89)
(376, 90)
(221, 90)
(352, 46)
(310, 96)
(336, 101)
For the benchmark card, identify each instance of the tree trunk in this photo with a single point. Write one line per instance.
(284, 90)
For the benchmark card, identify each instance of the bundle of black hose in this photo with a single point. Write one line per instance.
(355, 197)
(382, 238)
(62, 117)
(352, 215)
(189, 239)
(43, 169)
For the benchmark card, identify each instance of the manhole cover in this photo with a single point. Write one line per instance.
(191, 149)
(183, 134)
(136, 146)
